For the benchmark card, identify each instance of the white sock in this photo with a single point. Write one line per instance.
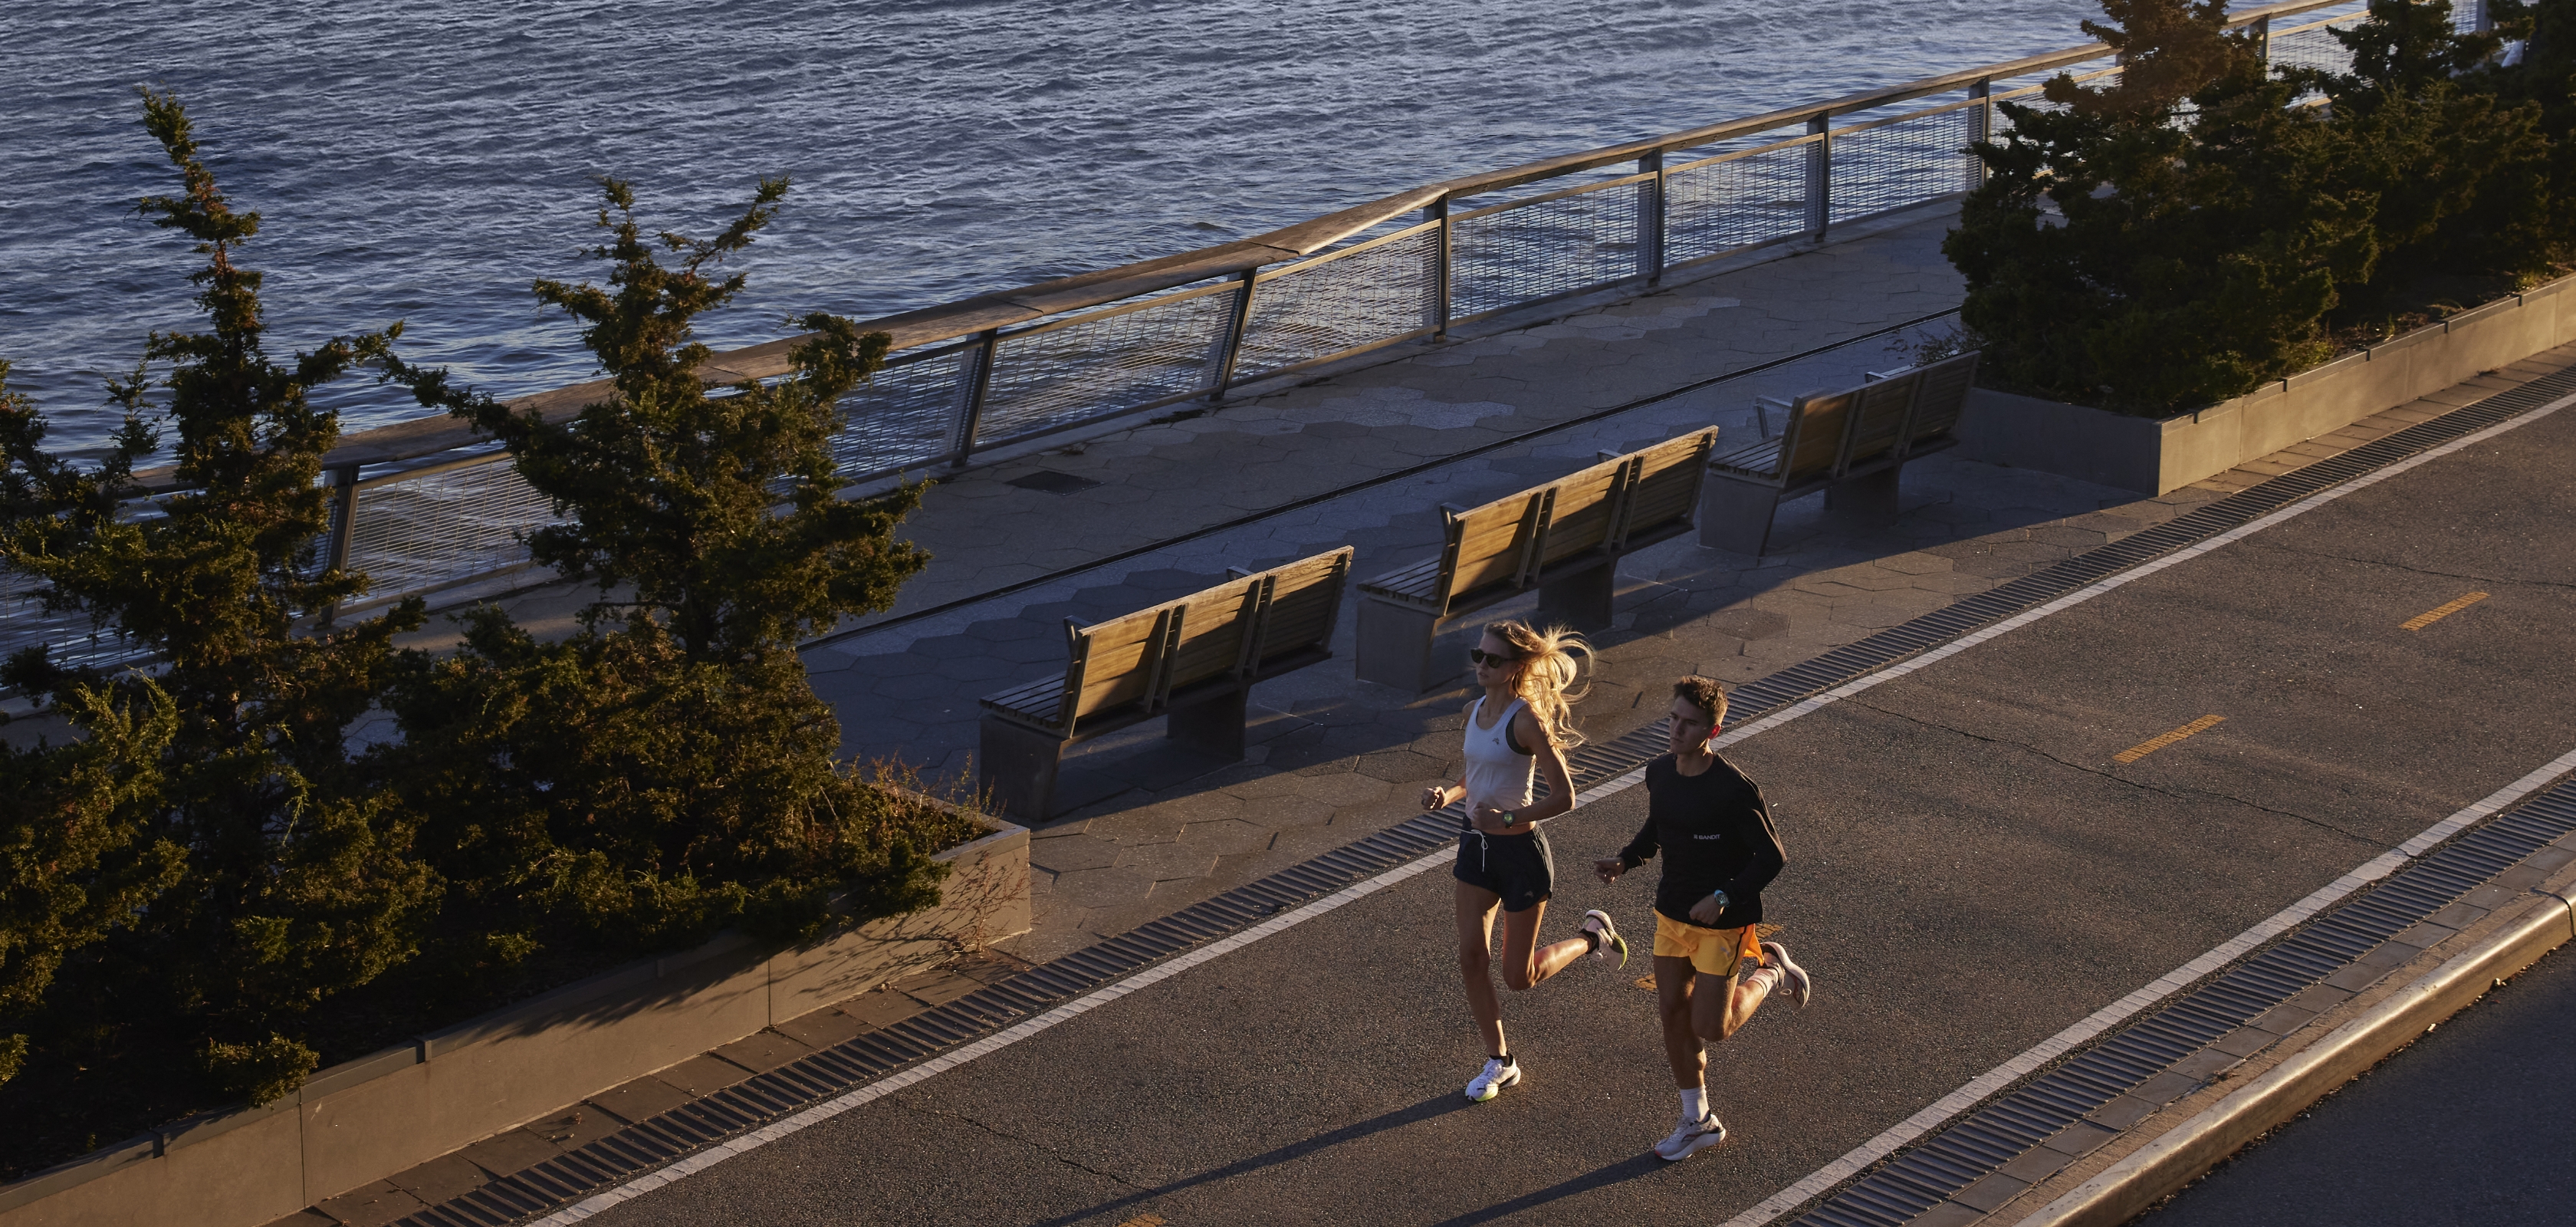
(1776, 977)
(1695, 1104)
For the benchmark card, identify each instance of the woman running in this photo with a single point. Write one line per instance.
(1522, 722)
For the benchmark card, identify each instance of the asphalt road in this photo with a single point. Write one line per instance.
(1970, 872)
(2468, 1127)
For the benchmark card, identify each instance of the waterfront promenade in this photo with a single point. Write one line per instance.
(1971, 871)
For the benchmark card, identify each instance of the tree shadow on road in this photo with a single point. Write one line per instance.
(1436, 1106)
(1600, 1177)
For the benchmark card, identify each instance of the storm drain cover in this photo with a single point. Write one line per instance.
(1052, 482)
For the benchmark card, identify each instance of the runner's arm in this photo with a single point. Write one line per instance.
(1753, 826)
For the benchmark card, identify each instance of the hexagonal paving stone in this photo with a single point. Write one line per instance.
(1163, 862)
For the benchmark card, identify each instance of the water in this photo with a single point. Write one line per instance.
(424, 161)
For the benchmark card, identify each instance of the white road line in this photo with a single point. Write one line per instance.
(1914, 1126)
(2001, 1076)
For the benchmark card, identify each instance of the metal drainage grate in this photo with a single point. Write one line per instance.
(1980, 1145)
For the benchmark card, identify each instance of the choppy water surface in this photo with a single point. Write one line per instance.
(423, 161)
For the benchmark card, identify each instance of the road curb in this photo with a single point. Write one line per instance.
(2182, 1154)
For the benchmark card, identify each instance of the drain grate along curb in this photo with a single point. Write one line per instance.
(2086, 1099)
(651, 1143)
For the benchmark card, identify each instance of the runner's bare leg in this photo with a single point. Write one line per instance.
(1526, 964)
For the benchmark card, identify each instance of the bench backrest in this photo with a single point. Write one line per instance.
(1507, 543)
(1301, 603)
(1663, 484)
(1943, 396)
(1224, 632)
(1490, 545)
(1812, 443)
(1879, 415)
(1585, 511)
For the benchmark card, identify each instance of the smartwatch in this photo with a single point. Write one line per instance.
(1723, 902)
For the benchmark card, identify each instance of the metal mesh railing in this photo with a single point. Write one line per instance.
(1616, 215)
(477, 511)
(1732, 201)
(905, 417)
(1552, 245)
(1106, 362)
(1363, 296)
(1889, 164)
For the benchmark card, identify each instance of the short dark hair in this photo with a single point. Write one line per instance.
(1705, 693)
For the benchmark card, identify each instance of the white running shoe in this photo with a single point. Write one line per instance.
(1794, 978)
(1610, 939)
(1499, 1072)
(1690, 1138)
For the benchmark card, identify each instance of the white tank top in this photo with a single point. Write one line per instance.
(1495, 775)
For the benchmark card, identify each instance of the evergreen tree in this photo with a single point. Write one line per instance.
(2199, 231)
(291, 881)
(667, 769)
(2460, 175)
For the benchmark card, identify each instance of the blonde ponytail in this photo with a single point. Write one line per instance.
(1547, 667)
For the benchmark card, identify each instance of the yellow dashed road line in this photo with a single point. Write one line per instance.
(2153, 744)
(2431, 616)
(1144, 1220)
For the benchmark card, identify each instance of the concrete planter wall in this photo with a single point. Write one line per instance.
(362, 1121)
(2153, 457)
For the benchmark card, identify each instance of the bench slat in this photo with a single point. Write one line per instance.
(1585, 512)
(1666, 487)
(1818, 420)
(1490, 540)
(1944, 395)
(1305, 604)
(1878, 416)
(1419, 582)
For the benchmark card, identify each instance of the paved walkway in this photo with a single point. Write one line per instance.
(1152, 829)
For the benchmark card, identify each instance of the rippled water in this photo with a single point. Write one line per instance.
(423, 161)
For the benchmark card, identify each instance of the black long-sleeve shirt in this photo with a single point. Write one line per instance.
(1715, 833)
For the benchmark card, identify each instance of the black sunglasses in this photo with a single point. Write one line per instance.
(1483, 657)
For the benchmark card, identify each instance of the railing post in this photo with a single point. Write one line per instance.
(1982, 127)
(976, 378)
(2262, 30)
(1650, 218)
(1441, 266)
(1820, 174)
(1223, 377)
(344, 523)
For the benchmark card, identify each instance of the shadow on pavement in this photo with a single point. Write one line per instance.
(1436, 1106)
(1600, 1177)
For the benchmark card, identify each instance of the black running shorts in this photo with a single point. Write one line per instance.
(1520, 868)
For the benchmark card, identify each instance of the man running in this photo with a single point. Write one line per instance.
(1719, 852)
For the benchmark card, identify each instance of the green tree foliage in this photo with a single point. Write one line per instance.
(295, 881)
(2460, 176)
(2171, 239)
(667, 769)
(80, 849)
(2198, 228)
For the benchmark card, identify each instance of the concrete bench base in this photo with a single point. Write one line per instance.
(1019, 764)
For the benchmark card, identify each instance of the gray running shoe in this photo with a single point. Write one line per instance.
(1690, 1138)
(1794, 978)
(1499, 1072)
(1610, 939)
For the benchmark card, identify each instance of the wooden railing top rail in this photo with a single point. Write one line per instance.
(968, 317)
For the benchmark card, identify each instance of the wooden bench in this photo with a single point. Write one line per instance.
(1190, 661)
(1850, 444)
(1564, 538)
